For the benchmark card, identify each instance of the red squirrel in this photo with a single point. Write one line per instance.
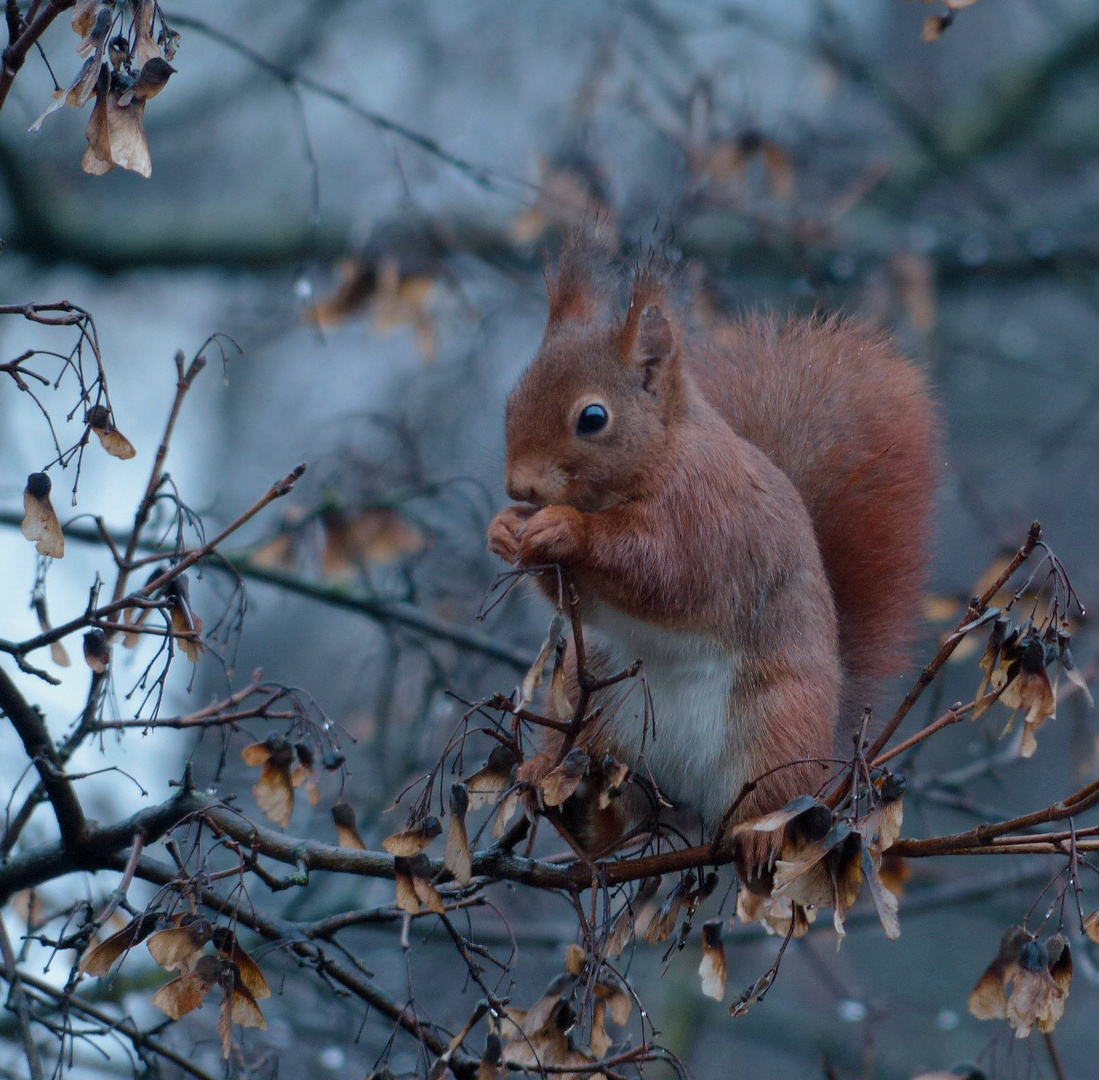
(745, 511)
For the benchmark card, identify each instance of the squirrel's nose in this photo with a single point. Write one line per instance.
(522, 485)
(519, 492)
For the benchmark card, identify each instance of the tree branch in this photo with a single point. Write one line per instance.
(39, 747)
(12, 58)
(387, 612)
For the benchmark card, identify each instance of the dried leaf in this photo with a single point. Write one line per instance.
(116, 444)
(754, 993)
(560, 706)
(358, 285)
(885, 901)
(803, 804)
(575, 959)
(304, 772)
(894, 873)
(403, 299)
(1001, 635)
(456, 855)
(537, 1037)
(422, 885)
(663, 923)
(184, 994)
(414, 839)
(407, 898)
(934, 25)
(570, 194)
(713, 971)
(492, 1058)
(882, 825)
(186, 625)
(248, 971)
(845, 866)
(145, 48)
(1036, 997)
(245, 1009)
(601, 1042)
(86, 13)
(490, 782)
(1060, 971)
(347, 828)
(152, 78)
(533, 678)
(275, 790)
(988, 999)
(802, 871)
(237, 1006)
(97, 653)
(504, 813)
(99, 958)
(615, 774)
(368, 536)
(611, 989)
(563, 781)
(116, 134)
(621, 934)
(57, 651)
(1068, 666)
(1029, 687)
(776, 913)
(40, 520)
(178, 947)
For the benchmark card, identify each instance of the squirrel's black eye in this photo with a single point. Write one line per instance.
(592, 418)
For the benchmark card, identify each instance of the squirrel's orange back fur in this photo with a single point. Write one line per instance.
(850, 423)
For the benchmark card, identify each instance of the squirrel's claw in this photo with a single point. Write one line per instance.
(505, 530)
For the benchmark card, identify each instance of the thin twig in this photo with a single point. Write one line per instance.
(18, 999)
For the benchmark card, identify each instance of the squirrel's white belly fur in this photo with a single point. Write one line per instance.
(686, 741)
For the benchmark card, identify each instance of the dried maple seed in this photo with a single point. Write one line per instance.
(275, 790)
(57, 651)
(713, 970)
(347, 828)
(457, 857)
(184, 993)
(414, 839)
(99, 958)
(40, 519)
(563, 781)
(490, 782)
(186, 625)
(226, 943)
(663, 922)
(96, 651)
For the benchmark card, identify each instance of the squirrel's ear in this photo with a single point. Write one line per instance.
(652, 347)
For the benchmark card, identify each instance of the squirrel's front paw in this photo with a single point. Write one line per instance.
(505, 530)
(556, 534)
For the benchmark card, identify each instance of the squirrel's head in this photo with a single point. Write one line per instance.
(592, 420)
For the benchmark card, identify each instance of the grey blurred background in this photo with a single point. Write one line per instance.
(798, 155)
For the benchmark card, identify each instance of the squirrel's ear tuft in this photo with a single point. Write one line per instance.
(571, 290)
